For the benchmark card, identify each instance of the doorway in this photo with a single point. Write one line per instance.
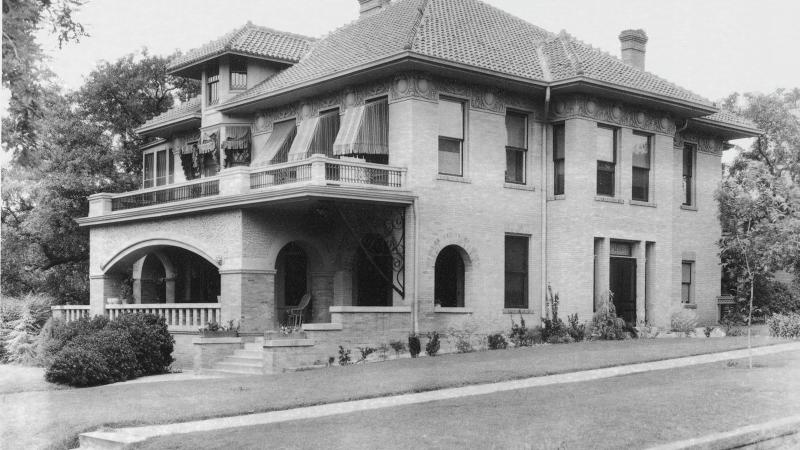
(291, 279)
(622, 281)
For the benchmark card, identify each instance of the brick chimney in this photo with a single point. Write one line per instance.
(633, 44)
(371, 6)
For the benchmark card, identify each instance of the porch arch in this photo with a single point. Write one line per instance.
(135, 251)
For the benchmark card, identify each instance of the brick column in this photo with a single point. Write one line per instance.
(248, 298)
(321, 296)
(101, 287)
(602, 274)
(343, 288)
(639, 252)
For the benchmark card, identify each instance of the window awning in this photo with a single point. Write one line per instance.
(237, 138)
(208, 142)
(187, 144)
(364, 130)
(302, 142)
(280, 141)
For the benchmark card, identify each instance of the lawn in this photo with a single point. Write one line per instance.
(54, 418)
(632, 411)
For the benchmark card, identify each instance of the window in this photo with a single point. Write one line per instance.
(449, 278)
(212, 83)
(280, 141)
(640, 152)
(516, 279)
(516, 147)
(451, 137)
(325, 134)
(161, 168)
(238, 72)
(606, 147)
(170, 167)
(148, 169)
(365, 132)
(688, 174)
(558, 159)
(686, 281)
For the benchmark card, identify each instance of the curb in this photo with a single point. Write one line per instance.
(785, 432)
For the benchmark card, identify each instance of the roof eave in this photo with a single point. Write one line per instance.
(152, 130)
(189, 69)
(726, 130)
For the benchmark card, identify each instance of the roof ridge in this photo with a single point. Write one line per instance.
(412, 35)
(563, 38)
(504, 12)
(281, 32)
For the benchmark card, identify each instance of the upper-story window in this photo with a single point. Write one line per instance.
(238, 72)
(365, 132)
(451, 137)
(280, 141)
(688, 174)
(516, 147)
(558, 159)
(641, 153)
(212, 83)
(606, 160)
(325, 134)
(159, 168)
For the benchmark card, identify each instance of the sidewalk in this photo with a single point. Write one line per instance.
(127, 437)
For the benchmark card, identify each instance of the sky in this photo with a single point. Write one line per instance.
(712, 47)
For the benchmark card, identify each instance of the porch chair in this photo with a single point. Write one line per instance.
(294, 316)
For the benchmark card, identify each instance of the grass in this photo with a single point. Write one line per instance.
(632, 411)
(42, 419)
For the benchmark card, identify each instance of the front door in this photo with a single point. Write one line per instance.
(622, 280)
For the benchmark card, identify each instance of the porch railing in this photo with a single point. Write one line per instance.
(166, 195)
(179, 316)
(361, 173)
(69, 313)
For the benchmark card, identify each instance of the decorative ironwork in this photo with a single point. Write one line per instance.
(168, 195)
(387, 223)
(285, 175)
(362, 175)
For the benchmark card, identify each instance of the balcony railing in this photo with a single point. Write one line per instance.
(166, 195)
(361, 174)
(281, 175)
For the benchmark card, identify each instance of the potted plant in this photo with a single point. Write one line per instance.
(213, 329)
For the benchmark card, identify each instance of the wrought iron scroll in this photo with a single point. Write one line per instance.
(390, 225)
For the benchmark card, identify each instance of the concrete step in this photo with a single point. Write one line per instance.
(230, 373)
(225, 364)
(245, 360)
(273, 335)
(253, 354)
(254, 346)
(237, 369)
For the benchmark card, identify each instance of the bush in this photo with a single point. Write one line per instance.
(365, 352)
(784, 325)
(520, 335)
(605, 323)
(99, 358)
(344, 356)
(497, 341)
(414, 346)
(20, 321)
(62, 333)
(683, 321)
(150, 340)
(576, 330)
(774, 297)
(398, 347)
(432, 347)
(553, 329)
(463, 345)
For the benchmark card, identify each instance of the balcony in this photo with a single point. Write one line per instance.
(317, 176)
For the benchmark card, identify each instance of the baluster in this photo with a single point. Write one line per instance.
(195, 317)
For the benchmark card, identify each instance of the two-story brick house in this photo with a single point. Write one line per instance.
(433, 163)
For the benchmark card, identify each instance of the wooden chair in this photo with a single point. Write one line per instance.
(294, 316)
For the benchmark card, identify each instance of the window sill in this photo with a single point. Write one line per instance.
(517, 186)
(452, 310)
(602, 198)
(689, 305)
(518, 311)
(689, 207)
(641, 203)
(455, 178)
(551, 198)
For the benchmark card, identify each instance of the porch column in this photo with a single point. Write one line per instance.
(101, 287)
(343, 288)
(602, 268)
(639, 252)
(247, 298)
(322, 284)
(169, 287)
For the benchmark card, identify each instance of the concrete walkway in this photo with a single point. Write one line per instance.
(127, 437)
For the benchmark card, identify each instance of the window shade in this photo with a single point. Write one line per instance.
(640, 151)
(208, 142)
(237, 138)
(516, 131)
(325, 134)
(451, 119)
(302, 142)
(558, 142)
(364, 130)
(280, 141)
(605, 144)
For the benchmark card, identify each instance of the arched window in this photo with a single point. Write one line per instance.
(449, 278)
(373, 273)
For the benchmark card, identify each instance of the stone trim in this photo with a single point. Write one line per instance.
(322, 327)
(453, 178)
(641, 203)
(602, 198)
(689, 208)
(247, 271)
(519, 187)
(452, 310)
(217, 340)
(370, 309)
(616, 113)
(708, 144)
(518, 311)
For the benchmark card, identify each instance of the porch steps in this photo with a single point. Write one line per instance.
(247, 361)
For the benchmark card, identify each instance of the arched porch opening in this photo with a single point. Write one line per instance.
(292, 280)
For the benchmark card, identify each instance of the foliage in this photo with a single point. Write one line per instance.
(605, 323)
(433, 345)
(463, 338)
(150, 339)
(414, 346)
(344, 356)
(79, 367)
(520, 335)
(365, 352)
(383, 350)
(64, 333)
(646, 331)
(553, 329)
(21, 320)
(497, 341)
(784, 325)
(398, 347)
(20, 340)
(773, 297)
(683, 321)
(463, 344)
(576, 330)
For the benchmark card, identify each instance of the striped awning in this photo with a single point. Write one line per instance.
(364, 130)
(280, 141)
(208, 142)
(237, 138)
(302, 142)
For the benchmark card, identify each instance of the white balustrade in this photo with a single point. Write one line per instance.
(69, 313)
(179, 316)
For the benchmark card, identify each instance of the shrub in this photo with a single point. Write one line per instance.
(432, 347)
(383, 349)
(774, 297)
(398, 347)
(21, 318)
(463, 345)
(150, 340)
(553, 329)
(497, 341)
(414, 346)
(78, 366)
(62, 333)
(605, 323)
(365, 352)
(520, 335)
(784, 325)
(576, 330)
(344, 356)
(683, 321)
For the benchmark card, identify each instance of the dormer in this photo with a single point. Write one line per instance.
(239, 60)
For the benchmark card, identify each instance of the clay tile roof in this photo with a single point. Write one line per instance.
(251, 40)
(466, 32)
(185, 110)
(731, 118)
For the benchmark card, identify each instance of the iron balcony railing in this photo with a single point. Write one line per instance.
(281, 175)
(166, 195)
